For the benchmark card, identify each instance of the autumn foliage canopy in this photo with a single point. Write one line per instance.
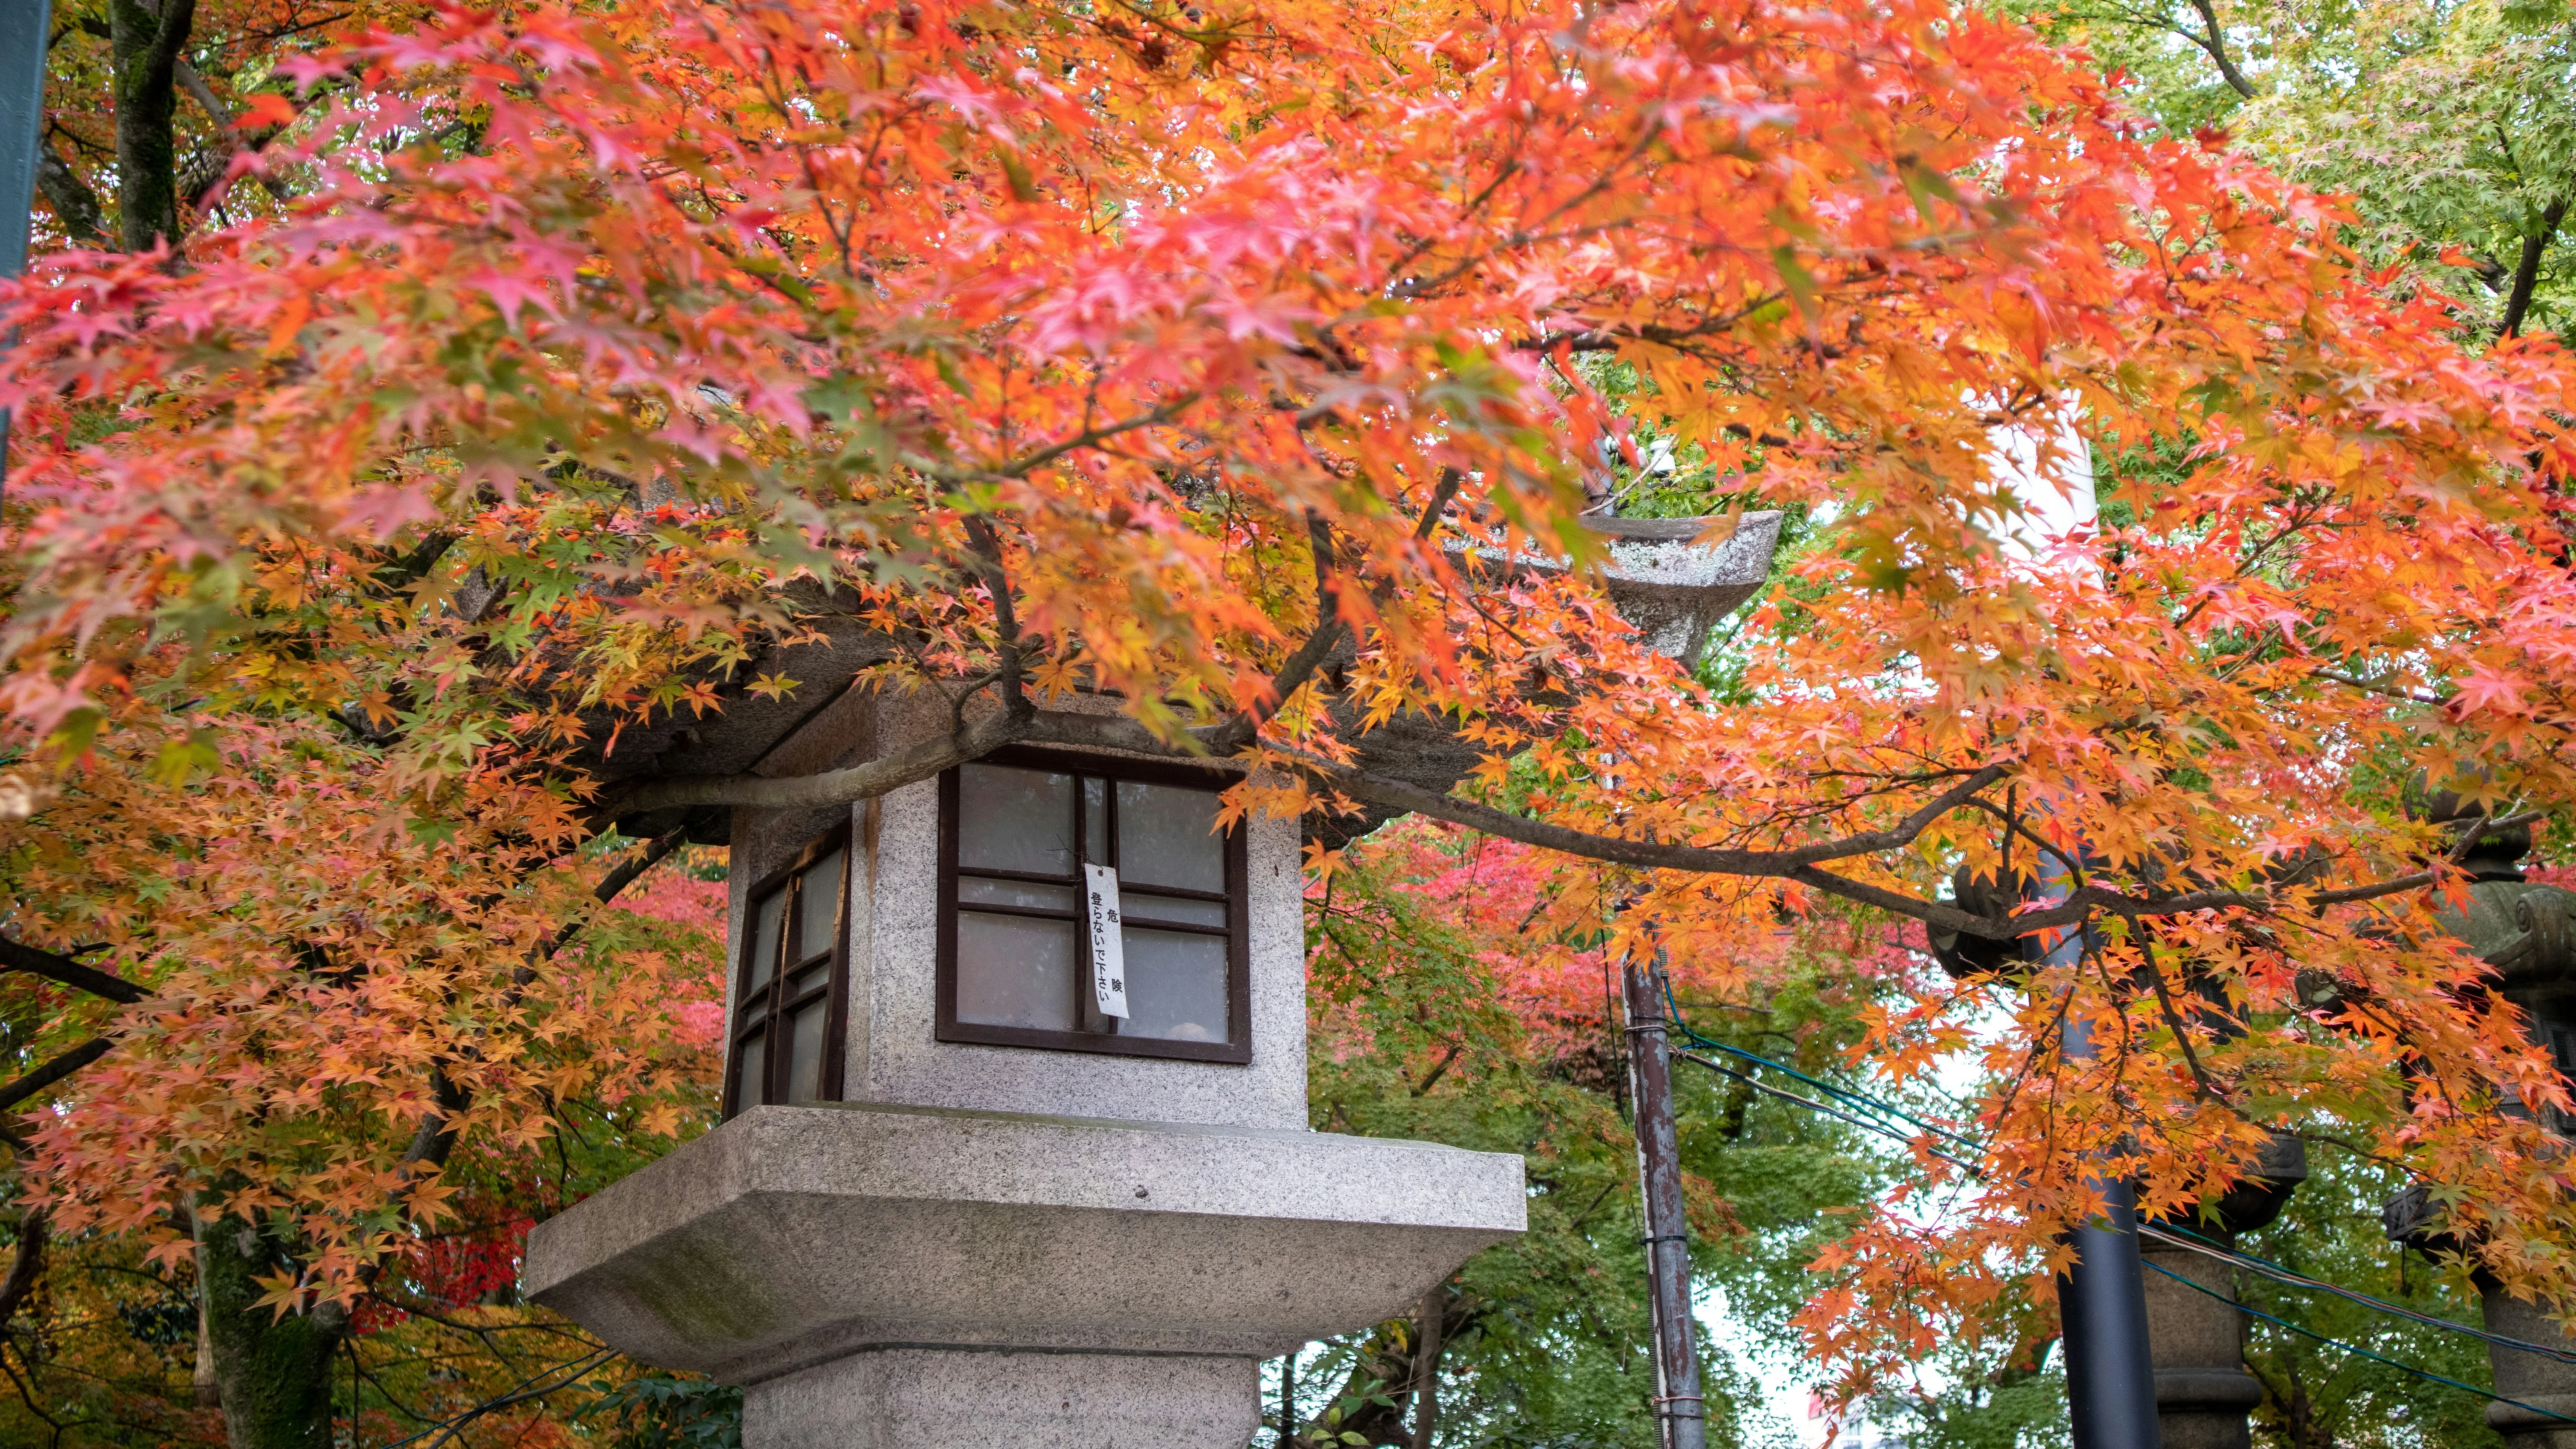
(597, 358)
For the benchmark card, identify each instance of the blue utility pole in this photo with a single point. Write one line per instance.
(2102, 1300)
(23, 30)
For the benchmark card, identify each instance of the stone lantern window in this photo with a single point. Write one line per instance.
(793, 985)
(1092, 905)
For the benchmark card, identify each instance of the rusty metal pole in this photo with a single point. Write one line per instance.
(1679, 1408)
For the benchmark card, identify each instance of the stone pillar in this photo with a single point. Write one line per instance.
(2543, 1383)
(2197, 1342)
(2195, 1338)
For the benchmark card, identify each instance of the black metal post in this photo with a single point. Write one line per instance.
(1679, 1407)
(2110, 1378)
(23, 32)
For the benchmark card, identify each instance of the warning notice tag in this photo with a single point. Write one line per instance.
(1108, 946)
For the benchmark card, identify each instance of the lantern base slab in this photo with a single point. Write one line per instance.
(830, 1236)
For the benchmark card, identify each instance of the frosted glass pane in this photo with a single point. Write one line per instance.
(818, 905)
(1014, 971)
(1175, 986)
(766, 919)
(1137, 906)
(1095, 820)
(751, 1071)
(805, 1055)
(1015, 820)
(1164, 839)
(977, 891)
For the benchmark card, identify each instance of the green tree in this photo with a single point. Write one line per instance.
(2450, 123)
(1454, 1000)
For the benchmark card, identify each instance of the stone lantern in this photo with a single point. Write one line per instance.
(2526, 931)
(2195, 1331)
(1016, 1148)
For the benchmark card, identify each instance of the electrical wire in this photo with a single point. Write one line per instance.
(2261, 1267)
(517, 1392)
(1678, 1022)
(2179, 1237)
(2402, 1367)
(1813, 1105)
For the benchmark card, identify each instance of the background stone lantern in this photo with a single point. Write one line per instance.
(1016, 1146)
(2527, 932)
(2195, 1331)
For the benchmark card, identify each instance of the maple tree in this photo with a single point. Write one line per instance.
(596, 368)
(109, 1345)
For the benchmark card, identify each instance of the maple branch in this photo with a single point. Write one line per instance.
(54, 1071)
(1801, 864)
(1797, 864)
(1028, 463)
(610, 885)
(1245, 726)
(19, 956)
(1006, 623)
(26, 1265)
(75, 205)
(2374, 687)
(438, 1132)
(2173, 1018)
(437, 1135)
(614, 884)
(2215, 42)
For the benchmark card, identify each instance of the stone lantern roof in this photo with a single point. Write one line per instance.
(1672, 588)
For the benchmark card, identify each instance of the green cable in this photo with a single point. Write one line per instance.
(2421, 1373)
(2302, 1279)
(1682, 1024)
(1880, 1129)
(2266, 1268)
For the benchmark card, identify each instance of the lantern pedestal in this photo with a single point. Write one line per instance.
(903, 1277)
(916, 1398)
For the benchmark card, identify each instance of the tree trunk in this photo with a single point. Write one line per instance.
(273, 1373)
(1288, 1400)
(75, 205)
(2526, 273)
(144, 43)
(202, 1385)
(1426, 1366)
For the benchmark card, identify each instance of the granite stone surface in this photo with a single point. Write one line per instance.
(792, 1236)
(910, 1398)
(891, 1050)
(2543, 1384)
(2196, 1340)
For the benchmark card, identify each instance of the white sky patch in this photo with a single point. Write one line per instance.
(2049, 467)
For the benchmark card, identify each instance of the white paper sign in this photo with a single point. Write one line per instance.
(1108, 945)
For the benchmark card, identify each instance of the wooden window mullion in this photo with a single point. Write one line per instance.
(1092, 1032)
